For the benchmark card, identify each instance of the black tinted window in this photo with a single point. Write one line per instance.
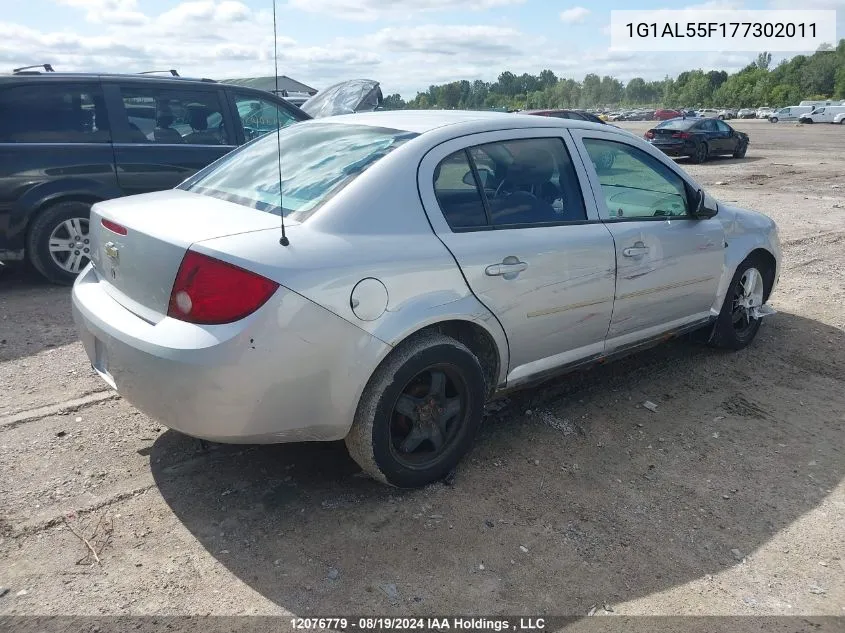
(53, 113)
(532, 182)
(170, 116)
(457, 193)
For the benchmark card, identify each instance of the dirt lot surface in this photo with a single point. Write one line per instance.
(728, 499)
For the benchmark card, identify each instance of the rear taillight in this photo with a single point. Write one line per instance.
(649, 134)
(114, 227)
(210, 292)
(683, 135)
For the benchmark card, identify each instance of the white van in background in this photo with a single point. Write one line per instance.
(790, 113)
(823, 114)
(818, 104)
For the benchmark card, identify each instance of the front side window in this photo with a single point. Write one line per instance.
(635, 184)
(53, 113)
(722, 126)
(168, 116)
(316, 161)
(259, 116)
(524, 182)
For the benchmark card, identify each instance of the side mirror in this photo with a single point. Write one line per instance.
(483, 173)
(702, 211)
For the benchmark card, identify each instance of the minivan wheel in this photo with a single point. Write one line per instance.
(736, 325)
(59, 244)
(773, 119)
(419, 413)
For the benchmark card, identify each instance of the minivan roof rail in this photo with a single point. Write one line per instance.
(47, 67)
(172, 72)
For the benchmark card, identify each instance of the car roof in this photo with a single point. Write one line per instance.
(422, 121)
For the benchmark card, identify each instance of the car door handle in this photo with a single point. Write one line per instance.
(496, 270)
(635, 251)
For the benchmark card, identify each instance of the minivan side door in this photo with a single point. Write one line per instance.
(669, 263)
(512, 209)
(165, 133)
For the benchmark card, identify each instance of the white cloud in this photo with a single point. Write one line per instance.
(226, 38)
(120, 12)
(370, 10)
(574, 15)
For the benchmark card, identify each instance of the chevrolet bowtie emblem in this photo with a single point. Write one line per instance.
(112, 251)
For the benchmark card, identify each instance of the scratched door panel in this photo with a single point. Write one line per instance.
(668, 263)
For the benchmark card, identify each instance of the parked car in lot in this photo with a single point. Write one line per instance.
(68, 140)
(708, 113)
(435, 259)
(765, 113)
(665, 115)
(790, 113)
(698, 139)
(824, 114)
(746, 113)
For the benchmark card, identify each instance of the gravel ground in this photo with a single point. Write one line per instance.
(727, 499)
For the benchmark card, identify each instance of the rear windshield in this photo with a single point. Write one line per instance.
(676, 124)
(317, 160)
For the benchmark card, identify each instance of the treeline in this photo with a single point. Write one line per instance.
(817, 76)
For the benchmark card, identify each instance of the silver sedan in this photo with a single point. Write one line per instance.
(431, 261)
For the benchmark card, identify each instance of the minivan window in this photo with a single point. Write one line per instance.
(316, 161)
(259, 116)
(168, 116)
(53, 113)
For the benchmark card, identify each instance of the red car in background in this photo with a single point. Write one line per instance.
(665, 115)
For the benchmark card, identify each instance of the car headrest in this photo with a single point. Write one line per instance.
(534, 166)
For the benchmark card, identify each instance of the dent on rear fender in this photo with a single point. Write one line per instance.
(405, 319)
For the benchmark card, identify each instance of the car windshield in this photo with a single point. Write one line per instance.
(316, 161)
(676, 124)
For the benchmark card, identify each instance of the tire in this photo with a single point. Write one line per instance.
(701, 153)
(63, 222)
(739, 152)
(385, 442)
(728, 333)
(773, 119)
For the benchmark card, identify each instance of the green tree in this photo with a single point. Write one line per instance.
(763, 61)
(393, 102)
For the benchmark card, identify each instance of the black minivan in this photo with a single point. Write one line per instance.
(69, 140)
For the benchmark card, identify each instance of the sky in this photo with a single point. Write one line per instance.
(406, 45)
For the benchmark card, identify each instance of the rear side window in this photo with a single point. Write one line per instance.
(167, 116)
(316, 161)
(53, 113)
(457, 192)
(518, 183)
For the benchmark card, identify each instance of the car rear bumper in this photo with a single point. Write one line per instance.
(674, 149)
(292, 371)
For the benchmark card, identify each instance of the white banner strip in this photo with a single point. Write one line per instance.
(706, 30)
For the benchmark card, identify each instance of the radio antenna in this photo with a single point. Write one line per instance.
(284, 239)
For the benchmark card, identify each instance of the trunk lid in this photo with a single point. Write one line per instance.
(664, 135)
(138, 269)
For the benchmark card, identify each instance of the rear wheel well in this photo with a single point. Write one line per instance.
(81, 197)
(479, 342)
(770, 267)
